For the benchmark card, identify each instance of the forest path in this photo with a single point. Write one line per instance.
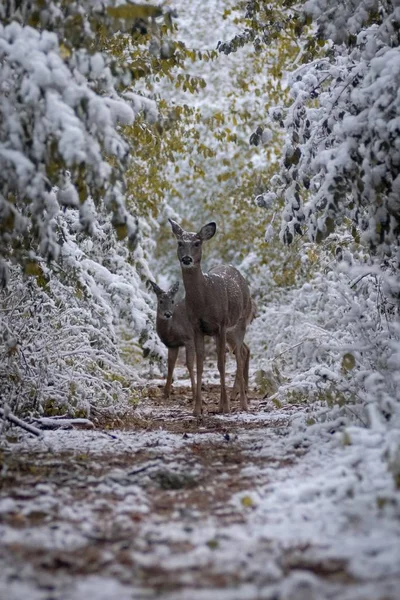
(174, 507)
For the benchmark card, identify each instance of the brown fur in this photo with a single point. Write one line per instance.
(218, 304)
(175, 331)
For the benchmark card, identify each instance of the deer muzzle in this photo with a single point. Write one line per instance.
(187, 260)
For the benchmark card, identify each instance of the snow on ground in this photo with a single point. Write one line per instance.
(239, 507)
(228, 507)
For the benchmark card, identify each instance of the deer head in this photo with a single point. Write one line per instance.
(190, 244)
(165, 300)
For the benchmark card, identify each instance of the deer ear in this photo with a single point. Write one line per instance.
(157, 290)
(173, 290)
(207, 231)
(176, 228)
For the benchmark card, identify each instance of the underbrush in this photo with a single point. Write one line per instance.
(73, 335)
(334, 344)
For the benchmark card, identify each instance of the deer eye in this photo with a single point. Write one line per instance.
(180, 244)
(172, 301)
(197, 244)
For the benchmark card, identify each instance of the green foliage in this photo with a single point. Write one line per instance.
(108, 49)
(212, 162)
(348, 362)
(130, 13)
(338, 131)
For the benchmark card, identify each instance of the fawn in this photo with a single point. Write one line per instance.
(174, 330)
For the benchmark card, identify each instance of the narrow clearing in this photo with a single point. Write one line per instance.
(244, 506)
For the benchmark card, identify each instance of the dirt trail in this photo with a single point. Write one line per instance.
(169, 506)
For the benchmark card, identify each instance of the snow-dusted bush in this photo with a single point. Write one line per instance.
(70, 331)
(335, 340)
(58, 354)
(341, 157)
(60, 110)
(74, 312)
(338, 185)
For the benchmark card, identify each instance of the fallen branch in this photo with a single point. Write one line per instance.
(16, 421)
(153, 464)
(57, 423)
(287, 349)
(354, 283)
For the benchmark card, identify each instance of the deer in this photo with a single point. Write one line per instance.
(175, 331)
(218, 304)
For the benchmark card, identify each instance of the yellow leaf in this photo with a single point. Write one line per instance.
(247, 502)
(7, 222)
(346, 439)
(133, 11)
(121, 230)
(348, 362)
(32, 268)
(64, 51)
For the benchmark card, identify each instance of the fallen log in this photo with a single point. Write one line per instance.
(5, 414)
(61, 423)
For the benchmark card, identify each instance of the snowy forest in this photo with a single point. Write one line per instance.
(280, 123)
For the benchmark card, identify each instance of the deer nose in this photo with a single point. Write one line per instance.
(187, 260)
(167, 315)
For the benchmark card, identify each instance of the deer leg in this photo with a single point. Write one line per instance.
(199, 345)
(240, 363)
(246, 364)
(235, 389)
(232, 342)
(190, 365)
(246, 367)
(232, 345)
(242, 354)
(224, 405)
(172, 356)
(246, 357)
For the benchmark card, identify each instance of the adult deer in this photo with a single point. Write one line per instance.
(218, 304)
(174, 330)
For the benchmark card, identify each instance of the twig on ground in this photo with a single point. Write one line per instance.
(153, 464)
(287, 349)
(358, 279)
(356, 415)
(57, 423)
(16, 421)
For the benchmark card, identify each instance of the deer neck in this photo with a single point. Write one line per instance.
(194, 282)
